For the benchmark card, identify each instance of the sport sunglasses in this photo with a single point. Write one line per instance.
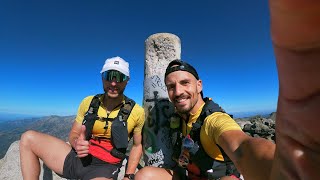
(111, 75)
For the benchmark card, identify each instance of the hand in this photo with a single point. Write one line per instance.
(81, 144)
(296, 38)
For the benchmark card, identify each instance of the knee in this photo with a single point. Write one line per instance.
(27, 138)
(228, 178)
(144, 173)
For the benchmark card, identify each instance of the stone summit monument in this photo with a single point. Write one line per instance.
(160, 50)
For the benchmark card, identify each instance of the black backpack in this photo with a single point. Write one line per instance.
(119, 132)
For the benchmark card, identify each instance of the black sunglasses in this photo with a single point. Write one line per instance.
(114, 75)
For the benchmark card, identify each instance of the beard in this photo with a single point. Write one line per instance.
(184, 110)
(113, 95)
(187, 108)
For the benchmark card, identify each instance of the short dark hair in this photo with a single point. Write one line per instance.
(179, 65)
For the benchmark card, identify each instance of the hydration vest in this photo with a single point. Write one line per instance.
(119, 130)
(198, 156)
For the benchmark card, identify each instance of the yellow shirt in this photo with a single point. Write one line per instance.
(135, 120)
(213, 126)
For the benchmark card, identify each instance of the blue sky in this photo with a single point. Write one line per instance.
(51, 52)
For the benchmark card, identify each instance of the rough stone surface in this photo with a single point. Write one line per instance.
(10, 163)
(161, 49)
(258, 126)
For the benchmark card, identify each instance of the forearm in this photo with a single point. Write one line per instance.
(254, 158)
(74, 133)
(72, 139)
(134, 158)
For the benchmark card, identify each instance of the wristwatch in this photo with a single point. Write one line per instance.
(129, 176)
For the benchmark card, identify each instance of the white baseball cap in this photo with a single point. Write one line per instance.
(116, 63)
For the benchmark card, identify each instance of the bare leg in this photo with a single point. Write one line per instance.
(51, 150)
(155, 173)
(227, 178)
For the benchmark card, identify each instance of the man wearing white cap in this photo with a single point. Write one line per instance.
(98, 138)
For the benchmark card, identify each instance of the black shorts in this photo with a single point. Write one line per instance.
(88, 168)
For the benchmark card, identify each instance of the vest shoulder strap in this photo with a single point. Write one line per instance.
(91, 115)
(208, 108)
(126, 108)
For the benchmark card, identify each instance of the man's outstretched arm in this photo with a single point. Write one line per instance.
(252, 156)
(295, 28)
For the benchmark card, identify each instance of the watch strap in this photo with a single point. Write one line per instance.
(129, 176)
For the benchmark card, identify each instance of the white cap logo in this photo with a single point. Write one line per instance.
(116, 63)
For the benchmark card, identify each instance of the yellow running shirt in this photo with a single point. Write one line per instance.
(135, 120)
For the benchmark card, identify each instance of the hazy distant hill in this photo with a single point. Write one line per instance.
(11, 131)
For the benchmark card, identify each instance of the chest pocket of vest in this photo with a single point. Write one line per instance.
(119, 133)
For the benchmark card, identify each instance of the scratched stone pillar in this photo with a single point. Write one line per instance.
(161, 49)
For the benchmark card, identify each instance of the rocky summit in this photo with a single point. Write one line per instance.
(256, 126)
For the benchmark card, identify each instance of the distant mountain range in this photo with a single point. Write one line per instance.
(4, 116)
(10, 131)
(252, 113)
